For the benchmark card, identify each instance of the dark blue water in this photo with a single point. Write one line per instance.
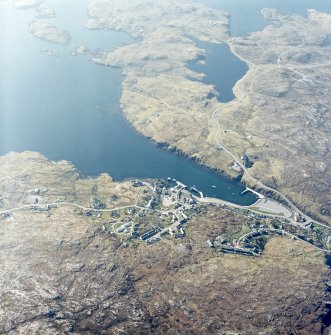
(221, 68)
(246, 14)
(67, 107)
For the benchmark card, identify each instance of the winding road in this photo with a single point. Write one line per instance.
(62, 203)
(254, 181)
(283, 232)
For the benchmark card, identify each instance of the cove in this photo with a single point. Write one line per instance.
(66, 107)
(221, 68)
(246, 14)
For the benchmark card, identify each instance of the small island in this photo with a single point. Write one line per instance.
(23, 4)
(48, 32)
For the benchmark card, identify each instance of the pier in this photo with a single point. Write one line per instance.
(194, 189)
(259, 195)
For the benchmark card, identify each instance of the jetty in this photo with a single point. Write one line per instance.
(259, 195)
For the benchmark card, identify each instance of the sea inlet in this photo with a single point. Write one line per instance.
(66, 107)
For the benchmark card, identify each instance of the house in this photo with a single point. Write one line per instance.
(150, 234)
(210, 244)
(180, 234)
(236, 167)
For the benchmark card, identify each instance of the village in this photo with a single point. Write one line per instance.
(168, 206)
(173, 204)
(166, 213)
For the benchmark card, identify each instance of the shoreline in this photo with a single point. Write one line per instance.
(180, 151)
(272, 193)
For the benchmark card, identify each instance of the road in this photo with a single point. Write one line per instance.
(253, 180)
(239, 162)
(158, 235)
(62, 203)
(284, 233)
